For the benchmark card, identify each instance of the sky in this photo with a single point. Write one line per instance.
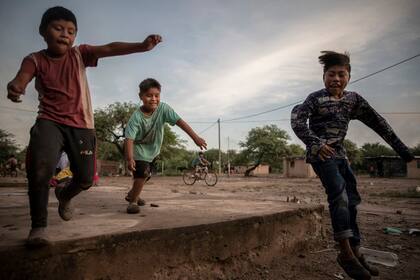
(228, 59)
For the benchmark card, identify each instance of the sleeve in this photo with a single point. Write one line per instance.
(366, 114)
(132, 128)
(299, 119)
(170, 115)
(89, 58)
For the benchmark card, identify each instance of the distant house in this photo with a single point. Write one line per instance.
(413, 168)
(393, 166)
(296, 167)
(262, 169)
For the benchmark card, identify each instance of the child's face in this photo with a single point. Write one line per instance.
(151, 99)
(60, 36)
(336, 79)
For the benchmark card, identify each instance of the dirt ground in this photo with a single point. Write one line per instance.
(385, 203)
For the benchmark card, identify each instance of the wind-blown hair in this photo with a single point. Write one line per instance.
(331, 58)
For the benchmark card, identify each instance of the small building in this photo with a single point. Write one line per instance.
(386, 166)
(413, 168)
(262, 169)
(297, 167)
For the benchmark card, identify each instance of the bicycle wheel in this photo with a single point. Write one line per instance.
(210, 178)
(189, 177)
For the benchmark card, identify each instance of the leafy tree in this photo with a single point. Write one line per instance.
(265, 144)
(110, 123)
(8, 145)
(295, 150)
(375, 150)
(352, 151)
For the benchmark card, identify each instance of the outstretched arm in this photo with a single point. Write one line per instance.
(123, 48)
(366, 114)
(200, 142)
(131, 164)
(17, 86)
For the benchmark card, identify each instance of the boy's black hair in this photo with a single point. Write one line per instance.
(200, 153)
(331, 58)
(147, 84)
(56, 13)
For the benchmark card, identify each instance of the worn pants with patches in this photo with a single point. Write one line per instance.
(341, 189)
(48, 140)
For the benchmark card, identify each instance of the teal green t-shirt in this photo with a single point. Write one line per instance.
(147, 148)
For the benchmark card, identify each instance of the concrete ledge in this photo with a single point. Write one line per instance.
(205, 251)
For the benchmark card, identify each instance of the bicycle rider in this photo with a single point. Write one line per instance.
(200, 164)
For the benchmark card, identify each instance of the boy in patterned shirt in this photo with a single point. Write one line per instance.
(329, 111)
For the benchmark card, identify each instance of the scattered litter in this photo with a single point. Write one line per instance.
(371, 183)
(191, 192)
(322, 251)
(392, 231)
(339, 275)
(154, 205)
(394, 247)
(379, 257)
(175, 191)
(293, 200)
(399, 212)
(417, 189)
(414, 231)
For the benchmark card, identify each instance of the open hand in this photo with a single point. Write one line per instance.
(13, 93)
(326, 152)
(151, 41)
(131, 165)
(200, 142)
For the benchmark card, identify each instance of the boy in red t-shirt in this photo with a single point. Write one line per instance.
(65, 116)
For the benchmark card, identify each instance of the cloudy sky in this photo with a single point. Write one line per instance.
(228, 59)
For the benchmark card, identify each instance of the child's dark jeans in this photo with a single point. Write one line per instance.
(48, 140)
(341, 189)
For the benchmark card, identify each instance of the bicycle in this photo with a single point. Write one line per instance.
(209, 176)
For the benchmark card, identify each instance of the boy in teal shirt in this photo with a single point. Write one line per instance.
(144, 137)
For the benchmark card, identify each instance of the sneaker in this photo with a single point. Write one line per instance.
(64, 206)
(354, 269)
(372, 269)
(133, 208)
(37, 238)
(140, 202)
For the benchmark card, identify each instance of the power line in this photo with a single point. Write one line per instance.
(353, 82)
(204, 130)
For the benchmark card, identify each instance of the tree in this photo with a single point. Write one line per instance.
(111, 121)
(265, 144)
(8, 145)
(376, 150)
(352, 151)
(296, 150)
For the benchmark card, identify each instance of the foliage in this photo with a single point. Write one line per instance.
(8, 145)
(376, 150)
(416, 150)
(266, 144)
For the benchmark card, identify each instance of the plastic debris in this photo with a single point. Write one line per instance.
(339, 275)
(379, 257)
(414, 231)
(394, 247)
(154, 205)
(392, 231)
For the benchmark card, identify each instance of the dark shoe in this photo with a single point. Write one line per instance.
(64, 206)
(140, 202)
(372, 269)
(354, 269)
(133, 208)
(37, 238)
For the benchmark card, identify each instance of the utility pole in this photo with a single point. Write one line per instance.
(228, 160)
(220, 151)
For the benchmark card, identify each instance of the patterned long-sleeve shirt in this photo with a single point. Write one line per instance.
(328, 123)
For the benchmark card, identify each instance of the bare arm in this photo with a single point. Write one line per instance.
(200, 142)
(129, 146)
(17, 86)
(123, 48)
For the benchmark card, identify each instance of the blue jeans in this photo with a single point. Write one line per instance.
(341, 189)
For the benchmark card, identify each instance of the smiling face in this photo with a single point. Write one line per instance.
(150, 99)
(336, 79)
(60, 36)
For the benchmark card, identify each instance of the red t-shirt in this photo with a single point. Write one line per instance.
(62, 85)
